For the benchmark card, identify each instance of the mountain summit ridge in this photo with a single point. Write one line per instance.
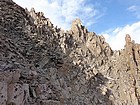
(41, 64)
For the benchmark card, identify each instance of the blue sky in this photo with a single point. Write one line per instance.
(117, 13)
(110, 18)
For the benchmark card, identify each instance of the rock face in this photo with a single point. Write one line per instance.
(42, 65)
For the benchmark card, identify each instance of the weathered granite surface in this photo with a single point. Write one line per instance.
(41, 64)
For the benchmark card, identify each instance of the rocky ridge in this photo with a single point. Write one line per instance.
(41, 64)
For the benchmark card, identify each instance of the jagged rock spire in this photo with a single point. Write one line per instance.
(60, 68)
(127, 39)
(77, 21)
(76, 25)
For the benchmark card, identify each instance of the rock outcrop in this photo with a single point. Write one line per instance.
(43, 65)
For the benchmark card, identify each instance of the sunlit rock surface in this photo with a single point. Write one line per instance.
(41, 64)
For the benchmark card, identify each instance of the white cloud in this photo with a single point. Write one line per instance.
(135, 9)
(116, 37)
(62, 12)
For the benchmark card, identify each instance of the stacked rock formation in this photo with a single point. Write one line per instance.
(43, 65)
